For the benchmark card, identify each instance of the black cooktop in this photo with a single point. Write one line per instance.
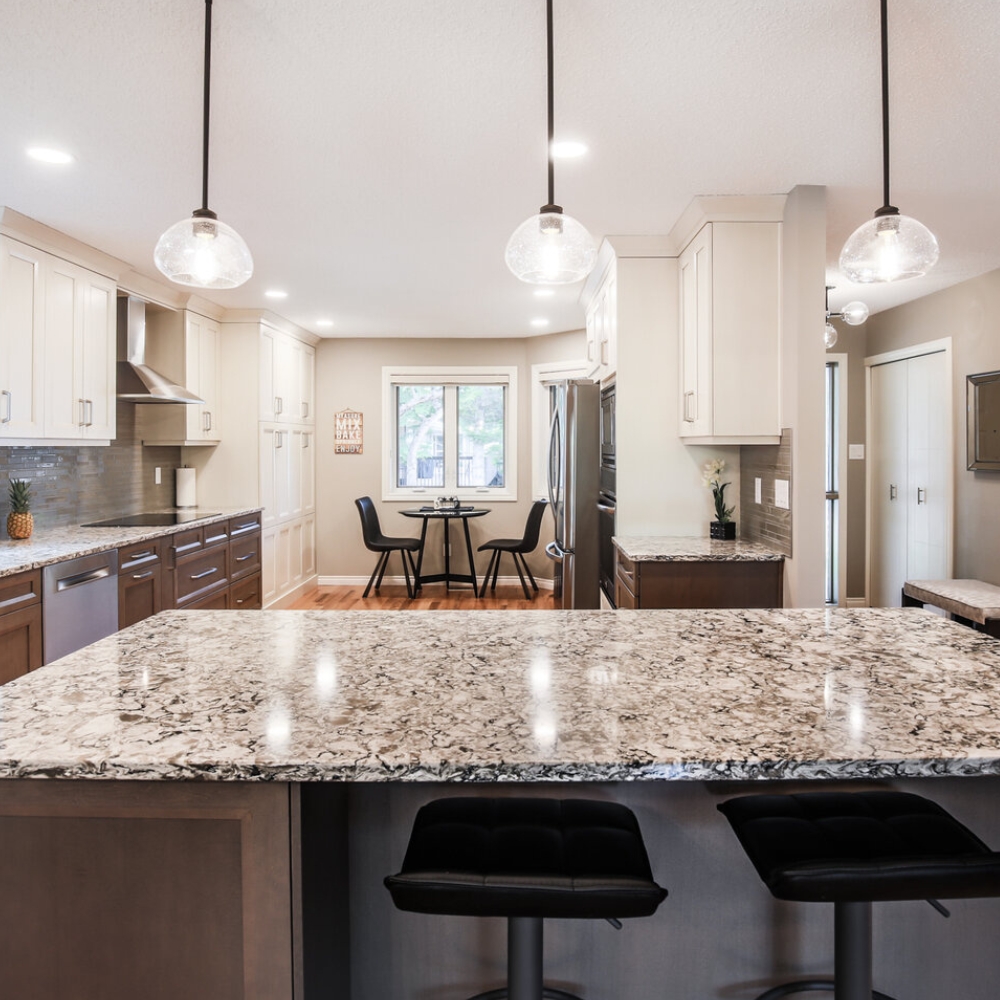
(156, 519)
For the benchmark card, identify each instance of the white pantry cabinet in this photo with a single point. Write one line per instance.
(602, 325)
(57, 348)
(287, 379)
(730, 334)
(185, 347)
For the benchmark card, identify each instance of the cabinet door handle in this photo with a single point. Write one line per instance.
(277, 439)
(249, 555)
(90, 413)
(892, 491)
(207, 572)
(688, 414)
(206, 420)
(82, 422)
(6, 395)
(279, 405)
(305, 440)
(305, 408)
(142, 576)
(921, 495)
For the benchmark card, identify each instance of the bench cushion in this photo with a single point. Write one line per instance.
(523, 857)
(970, 599)
(861, 846)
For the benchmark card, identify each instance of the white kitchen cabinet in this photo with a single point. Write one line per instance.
(186, 348)
(21, 340)
(730, 334)
(287, 377)
(57, 348)
(602, 326)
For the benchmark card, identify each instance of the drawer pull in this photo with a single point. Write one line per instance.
(207, 572)
(140, 555)
(239, 600)
(20, 599)
(249, 526)
(249, 555)
(142, 576)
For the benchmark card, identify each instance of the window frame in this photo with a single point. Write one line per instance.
(450, 377)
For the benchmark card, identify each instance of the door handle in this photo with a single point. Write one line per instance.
(206, 420)
(90, 413)
(892, 492)
(305, 408)
(6, 395)
(279, 405)
(82, 422)
(921, 495)
(688, 415)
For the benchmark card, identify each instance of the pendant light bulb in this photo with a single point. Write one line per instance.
(889, 248)
(203, 252)
(829, 336)
(551, 249)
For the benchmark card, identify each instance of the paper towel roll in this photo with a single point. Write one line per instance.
(186, 496)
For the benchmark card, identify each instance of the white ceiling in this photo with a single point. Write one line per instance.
(377, 154)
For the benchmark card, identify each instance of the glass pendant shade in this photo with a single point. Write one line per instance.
(204, 253)
(889, 248)
(854, 313)
(551, 249)
(829, 335)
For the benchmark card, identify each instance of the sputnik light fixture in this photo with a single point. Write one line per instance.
(890, 246)
(854, 314)
(203, 251)
(551, 248)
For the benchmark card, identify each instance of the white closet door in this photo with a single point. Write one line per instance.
(888, 420)
(928, 402)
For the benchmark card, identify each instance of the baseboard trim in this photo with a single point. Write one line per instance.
(360, 581)
(293, 595)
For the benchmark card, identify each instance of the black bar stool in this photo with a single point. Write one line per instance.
(852, 849)
(526, 859)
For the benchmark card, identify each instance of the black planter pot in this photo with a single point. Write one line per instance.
(722, 530)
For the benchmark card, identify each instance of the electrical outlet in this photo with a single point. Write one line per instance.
(781, 494)
(756, 490)
(157, 476)
(856, 451)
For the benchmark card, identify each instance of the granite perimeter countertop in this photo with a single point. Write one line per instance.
(52, 545)
(669, 548)
(513, 696)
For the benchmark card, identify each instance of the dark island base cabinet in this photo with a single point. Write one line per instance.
(709, 584)
(20, 624)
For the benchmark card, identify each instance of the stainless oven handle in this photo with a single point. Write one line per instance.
(605, 509)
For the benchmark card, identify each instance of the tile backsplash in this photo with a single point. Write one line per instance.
(765, 522)
(74, 485)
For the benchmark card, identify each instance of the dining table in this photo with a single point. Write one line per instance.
(446, 515)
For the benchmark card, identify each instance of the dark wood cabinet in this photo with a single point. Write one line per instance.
(706, 584)
(140, 591)
(20, 624)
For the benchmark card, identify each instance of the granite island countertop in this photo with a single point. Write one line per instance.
(52, 545)
(513, 696)
(681, 548)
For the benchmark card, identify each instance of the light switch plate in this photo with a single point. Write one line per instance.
(781, 493)
(157, 477)
(756, 490)
(856, 451)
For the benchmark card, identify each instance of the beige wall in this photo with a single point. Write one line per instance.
(349, 375)
(969, 313)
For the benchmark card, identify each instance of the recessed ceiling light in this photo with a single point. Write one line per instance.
(275, 293)
(46, 155)
(544, 293)
(539, 321)
(324, 323)
(568, 148)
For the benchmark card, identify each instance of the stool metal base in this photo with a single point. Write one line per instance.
(524, 965)
(807, 986)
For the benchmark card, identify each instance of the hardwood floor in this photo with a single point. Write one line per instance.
(432, 597)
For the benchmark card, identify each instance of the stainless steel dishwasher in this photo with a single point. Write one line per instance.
(79, 603)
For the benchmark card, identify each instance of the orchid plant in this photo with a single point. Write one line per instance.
(711, 476)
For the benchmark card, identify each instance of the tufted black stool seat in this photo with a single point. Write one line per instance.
(852, 849)
(526, 859)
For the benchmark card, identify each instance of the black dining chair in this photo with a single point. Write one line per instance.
(385, 545)
(517, 547)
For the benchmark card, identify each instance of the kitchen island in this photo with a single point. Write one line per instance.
(263, 769)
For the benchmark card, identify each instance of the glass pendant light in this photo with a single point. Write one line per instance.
(890, 246)
(202, 251)
(551, 248)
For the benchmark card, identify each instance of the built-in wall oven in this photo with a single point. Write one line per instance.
(607, 498)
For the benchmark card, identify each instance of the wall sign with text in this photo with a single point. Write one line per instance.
(348, 435)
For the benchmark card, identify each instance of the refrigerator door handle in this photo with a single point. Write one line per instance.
(553, 551)
(555, 471)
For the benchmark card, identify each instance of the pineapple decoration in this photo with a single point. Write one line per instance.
(19, 521)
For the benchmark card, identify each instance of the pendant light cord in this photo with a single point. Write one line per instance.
(208, 74)
(551, 99)
(887, 208)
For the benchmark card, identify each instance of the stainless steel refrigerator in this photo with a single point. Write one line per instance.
(574, 484)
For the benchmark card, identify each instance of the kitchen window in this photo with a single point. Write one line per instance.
(449, 432)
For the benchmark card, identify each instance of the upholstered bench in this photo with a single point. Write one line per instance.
(852, 849)
(526, 859)
(971, 601)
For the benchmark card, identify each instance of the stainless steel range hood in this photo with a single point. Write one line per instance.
(137, 382)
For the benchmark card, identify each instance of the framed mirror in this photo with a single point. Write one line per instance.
(983, 420)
